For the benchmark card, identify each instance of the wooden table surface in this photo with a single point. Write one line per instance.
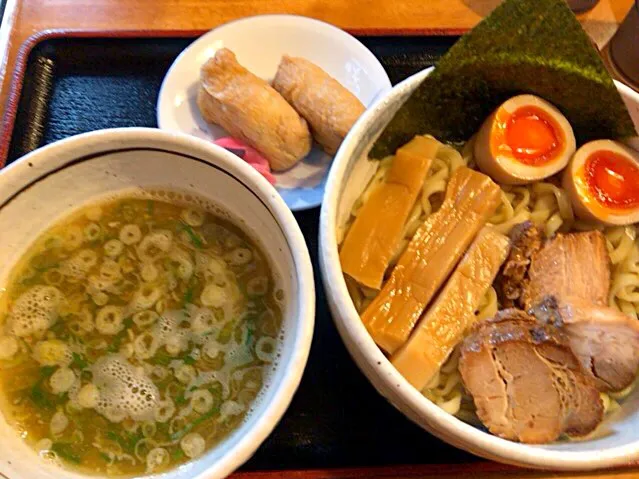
(25, 18)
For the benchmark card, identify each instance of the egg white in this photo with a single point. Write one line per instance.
(585, 206)
(508, 170)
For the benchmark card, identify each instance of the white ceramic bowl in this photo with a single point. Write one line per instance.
(618, 439)
(259, 43)
(49, 183)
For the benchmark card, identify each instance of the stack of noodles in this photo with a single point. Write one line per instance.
(544, 203)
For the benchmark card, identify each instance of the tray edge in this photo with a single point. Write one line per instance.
(7, 125)
(17, 78)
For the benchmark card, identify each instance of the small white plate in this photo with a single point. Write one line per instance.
(259, 43)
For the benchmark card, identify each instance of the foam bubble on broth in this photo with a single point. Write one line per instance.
(125, 391)
(35, 310)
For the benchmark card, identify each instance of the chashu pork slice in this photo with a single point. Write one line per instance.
(527, 239)
(570, 265)
(605, 340)
(526, 382)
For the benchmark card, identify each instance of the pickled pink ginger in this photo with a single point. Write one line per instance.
(248, 154)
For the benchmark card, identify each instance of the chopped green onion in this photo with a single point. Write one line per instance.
(47, 371)
(177, 454)
(79, 361)
(65, 451)
(114, 347)
(188, 295)
(189, 427)
(127, 444)
(161, 359)
(41, 263)
(39, 396)
(195, 239)
(190, 360)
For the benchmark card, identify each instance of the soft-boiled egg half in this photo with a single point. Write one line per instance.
(603, 182)
(526, 139)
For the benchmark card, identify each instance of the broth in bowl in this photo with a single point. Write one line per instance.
(136, 334)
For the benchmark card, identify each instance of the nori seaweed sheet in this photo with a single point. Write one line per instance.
(524, 46)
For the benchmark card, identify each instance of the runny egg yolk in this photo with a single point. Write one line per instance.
(531, 136)
(612, 179)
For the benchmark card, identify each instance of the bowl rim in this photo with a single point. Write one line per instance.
(61, 154)
(379, 370)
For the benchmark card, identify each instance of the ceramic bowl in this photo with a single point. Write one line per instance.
(259, 43)
(616, 441)
(50, 183)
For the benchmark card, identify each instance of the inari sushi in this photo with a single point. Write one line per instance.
(329, 108)
(250, 110)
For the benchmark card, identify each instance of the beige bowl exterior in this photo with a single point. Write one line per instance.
(53, 181)
(616, 441)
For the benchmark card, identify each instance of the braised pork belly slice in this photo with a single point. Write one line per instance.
(526, 240)
(605, 340)
(526, 382)
(569, 265)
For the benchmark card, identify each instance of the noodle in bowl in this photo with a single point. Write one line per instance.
(545, 203)
(59, 180)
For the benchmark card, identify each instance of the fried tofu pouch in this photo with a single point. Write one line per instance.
(328, 107)
(250, 110)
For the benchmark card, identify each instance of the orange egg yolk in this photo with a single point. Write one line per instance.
(613, 179)
(532, 136)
